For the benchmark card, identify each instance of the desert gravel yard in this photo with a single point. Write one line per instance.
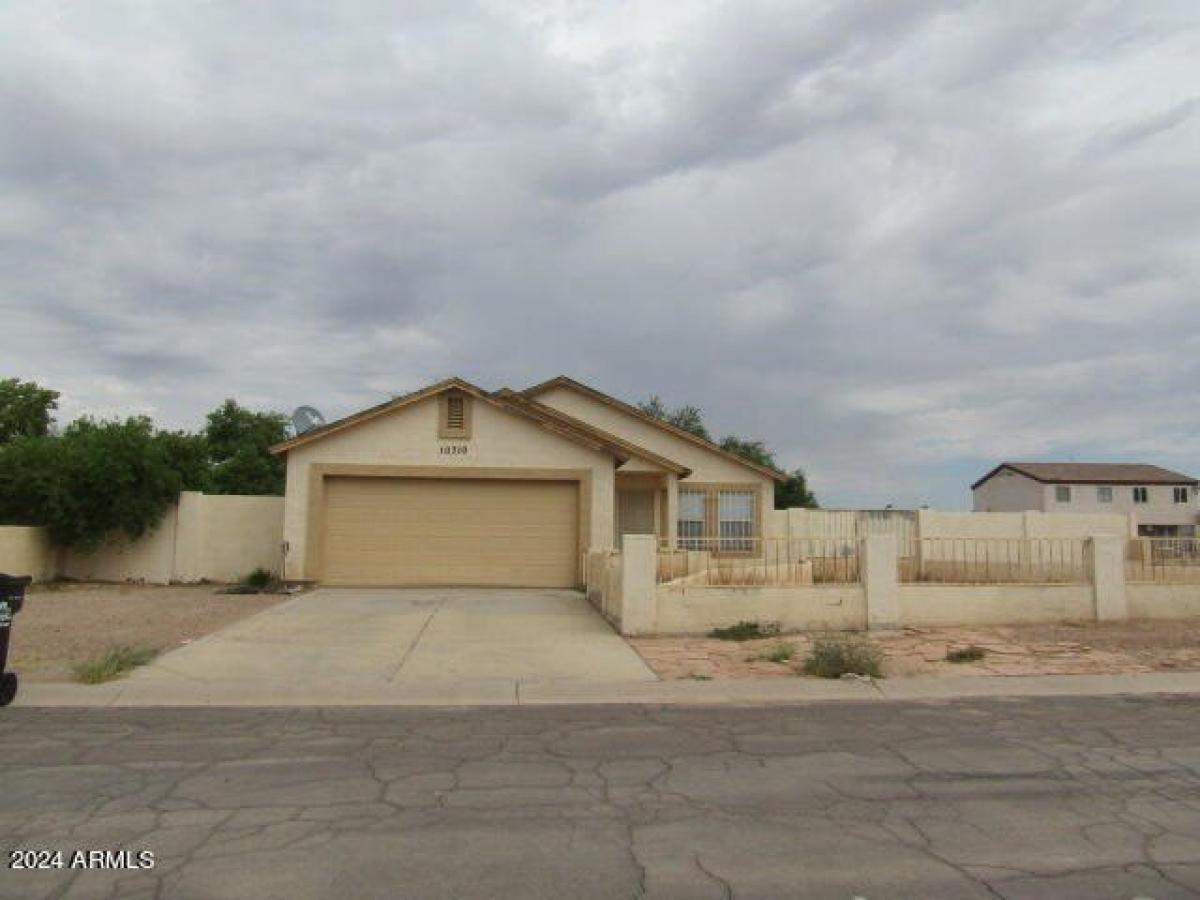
(65, 624)
(1060, 649)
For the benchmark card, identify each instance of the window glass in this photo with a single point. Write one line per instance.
(1141, 495)
(1181, 495)
(735, 512)
(691, 520)
(1062, 494)
(1104, 494)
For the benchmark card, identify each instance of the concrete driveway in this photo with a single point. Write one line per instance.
(457, 644)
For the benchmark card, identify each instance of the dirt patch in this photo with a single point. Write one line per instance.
(1098, 648)
(64, 624)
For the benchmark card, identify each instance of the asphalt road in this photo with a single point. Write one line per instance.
(1065, 797)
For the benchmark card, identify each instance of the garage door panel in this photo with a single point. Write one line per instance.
(451, 531)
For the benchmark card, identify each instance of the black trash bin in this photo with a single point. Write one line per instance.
(12, 598)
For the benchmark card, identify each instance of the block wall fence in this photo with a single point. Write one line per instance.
(880, 600)
(203, 537)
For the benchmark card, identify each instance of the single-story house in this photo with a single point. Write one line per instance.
(456, 485)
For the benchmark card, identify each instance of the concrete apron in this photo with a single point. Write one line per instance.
(348, 646)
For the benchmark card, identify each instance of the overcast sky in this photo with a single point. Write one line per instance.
(898, 241)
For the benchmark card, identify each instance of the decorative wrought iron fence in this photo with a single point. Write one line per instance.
(758, 561)
(997, 561)
(1163, 560)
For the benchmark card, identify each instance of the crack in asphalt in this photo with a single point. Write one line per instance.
(1076, 797)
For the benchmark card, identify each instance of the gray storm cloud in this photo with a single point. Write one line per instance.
(897, 241)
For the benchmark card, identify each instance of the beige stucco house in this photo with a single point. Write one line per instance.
(1162, 502)
(453, 484)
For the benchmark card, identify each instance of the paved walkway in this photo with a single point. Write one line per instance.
(1050, 798)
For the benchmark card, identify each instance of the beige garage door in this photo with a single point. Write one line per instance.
(385, 531)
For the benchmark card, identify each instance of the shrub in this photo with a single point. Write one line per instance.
(96, 479)
(835, 656)
(971, 653)
(780, 653)
(260, 578)
(746, 631)
(113, 664)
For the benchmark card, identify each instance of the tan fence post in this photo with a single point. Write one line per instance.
(639, 596)
(880, 580)
(1108, 578)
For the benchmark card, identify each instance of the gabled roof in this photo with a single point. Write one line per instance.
(570, 383)
(587, 437)
(549, 412)
(1092, 473)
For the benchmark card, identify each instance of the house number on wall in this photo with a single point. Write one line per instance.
(453, 449)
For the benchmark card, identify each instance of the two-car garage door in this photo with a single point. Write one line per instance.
(450, 531)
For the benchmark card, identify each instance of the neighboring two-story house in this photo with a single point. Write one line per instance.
(1162, 502)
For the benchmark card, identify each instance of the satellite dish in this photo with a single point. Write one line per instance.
(305, 418)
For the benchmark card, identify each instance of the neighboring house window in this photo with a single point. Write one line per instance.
(1104, 494)
(1181, 495)
(735, 511)
(691, 519)
(454, 416)
(1141, 495)
(1062, 494)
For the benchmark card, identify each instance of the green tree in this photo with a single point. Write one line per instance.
(791, 493)
(187, 454)
(96, 479)
(238, 442)
(795, 493)
(755, 451)
(689, 418)
(26, 409)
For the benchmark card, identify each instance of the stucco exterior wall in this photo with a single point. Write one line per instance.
(204, 537)
(602, 576)
(150, 558)
(409, 437)
(994, 604)
(698, 610)
(27, 551)
(1008, 491)
(705, 465)
(223, 537)
(1163, 601)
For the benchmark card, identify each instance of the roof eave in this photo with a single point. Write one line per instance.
(571, 383)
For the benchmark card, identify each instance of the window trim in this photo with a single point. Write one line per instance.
(1141, 494)
(1104, 494)
(712, 521)
(1186, 494)
(444, 429)
(1062, 493)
